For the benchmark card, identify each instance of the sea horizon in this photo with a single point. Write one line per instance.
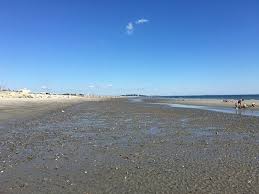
(220, 96)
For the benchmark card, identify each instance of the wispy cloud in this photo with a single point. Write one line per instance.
(131, 25)
(91, 86)
(141, 21)
(100, 86)
(130, 28)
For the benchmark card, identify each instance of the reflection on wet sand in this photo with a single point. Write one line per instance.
(248, 112)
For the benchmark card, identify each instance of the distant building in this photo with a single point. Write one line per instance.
(25, 91)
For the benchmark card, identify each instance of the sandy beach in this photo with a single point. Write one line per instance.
(129, 97)
(125, 146)
(14, 105)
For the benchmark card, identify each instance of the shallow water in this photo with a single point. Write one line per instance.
(247, 112)
(137, 99)
(244, 96)
(153, 130)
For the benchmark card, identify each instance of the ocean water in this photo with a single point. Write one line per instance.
(247, 112)
(235, 97)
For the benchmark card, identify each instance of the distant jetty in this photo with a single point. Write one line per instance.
(134, 95)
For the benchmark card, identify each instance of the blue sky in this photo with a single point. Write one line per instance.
(174, 47)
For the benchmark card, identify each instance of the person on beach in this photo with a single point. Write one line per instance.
(238, 105)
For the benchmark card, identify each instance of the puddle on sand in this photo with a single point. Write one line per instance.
(100, 122)
(184, 122)
(201, 132)
(247, 112)
(212, 132)
(153, 130)
(135, 99)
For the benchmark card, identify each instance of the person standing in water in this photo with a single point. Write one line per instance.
(239, 103)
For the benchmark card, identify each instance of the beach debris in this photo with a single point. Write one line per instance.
(124, 157)
(23, 185)
(57, 157)
(253, 104)
(85, 172)
(30, 157)
(62, 111)
(45, 179)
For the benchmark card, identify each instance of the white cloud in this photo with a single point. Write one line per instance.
(99, 86)
(130, 28)
(131, 25)
(141, 21)
(91, 86)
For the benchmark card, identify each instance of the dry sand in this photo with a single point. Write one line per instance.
(17, 105)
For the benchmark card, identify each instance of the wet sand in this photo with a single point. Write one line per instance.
(17, 108)
(207, 102)
(122, 146)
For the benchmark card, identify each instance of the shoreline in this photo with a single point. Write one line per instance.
(207, 102)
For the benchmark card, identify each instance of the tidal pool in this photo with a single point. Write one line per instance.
(248, 112)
